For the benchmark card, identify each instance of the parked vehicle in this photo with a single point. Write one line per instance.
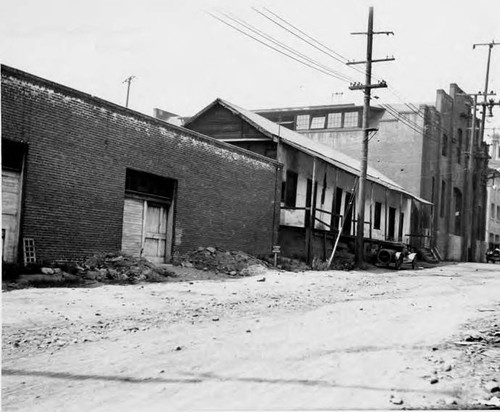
(493, 255)
(396, 258)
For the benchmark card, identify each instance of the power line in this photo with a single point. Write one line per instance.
(275, 49)
(300, 37)
(288, 48)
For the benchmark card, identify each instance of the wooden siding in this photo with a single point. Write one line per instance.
(221, 123)
(132, 226)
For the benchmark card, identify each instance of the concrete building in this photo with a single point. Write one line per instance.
(423, 148)
(318, 184)
(81, 176)
(493, 196)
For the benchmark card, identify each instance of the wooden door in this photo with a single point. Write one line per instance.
(147, 229)
(155, 234)
(11, 196)
(133, 214)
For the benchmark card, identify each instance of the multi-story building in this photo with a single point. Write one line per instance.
(493, 195)
(423, 148)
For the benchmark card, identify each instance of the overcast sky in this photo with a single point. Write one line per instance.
(183, 58)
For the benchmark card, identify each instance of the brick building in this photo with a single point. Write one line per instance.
(423, 148)
(81, 175)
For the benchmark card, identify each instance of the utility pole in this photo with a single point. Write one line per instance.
(470, 227)
(360, 214)
(128, 80)
(490, 46)
(483, 121)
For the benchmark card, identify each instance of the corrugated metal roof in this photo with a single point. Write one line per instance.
(309, 146)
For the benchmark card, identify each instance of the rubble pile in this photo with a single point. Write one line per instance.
(231, 262)
(121, 268)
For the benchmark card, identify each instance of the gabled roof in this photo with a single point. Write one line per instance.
(306, 145)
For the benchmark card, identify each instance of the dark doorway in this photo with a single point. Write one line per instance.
(392, 223)
(348, 211)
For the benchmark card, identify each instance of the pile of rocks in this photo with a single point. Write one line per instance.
(121, 268)
(231, 262)
(106, 268)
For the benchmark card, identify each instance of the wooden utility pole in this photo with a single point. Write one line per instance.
(128, 80)
(485, 101)
(360, 213)
(470, 227)
(475, 199)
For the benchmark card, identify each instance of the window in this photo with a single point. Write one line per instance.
(318, 122)
(290, 188)
(492, 211)
(302, 122)
(378, 214)
(498, 212)
(444, 147)
(142, 183)
(459, 146)
(457, 197)
(498, 154)
(443, 199)
(351, 119)
(334, 120)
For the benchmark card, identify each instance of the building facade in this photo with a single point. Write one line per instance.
(82, 176)
(319, 184)
(423, 148)
(493, 195)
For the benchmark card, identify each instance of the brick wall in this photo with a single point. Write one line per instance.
(78, 150)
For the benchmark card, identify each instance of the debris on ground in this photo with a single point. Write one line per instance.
(230, 262)
(105, 268)
(396, 400)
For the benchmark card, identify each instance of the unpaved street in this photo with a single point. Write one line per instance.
(312, 340)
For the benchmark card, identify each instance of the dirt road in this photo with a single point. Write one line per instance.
(314, 340)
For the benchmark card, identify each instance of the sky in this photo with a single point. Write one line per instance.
(183, 58)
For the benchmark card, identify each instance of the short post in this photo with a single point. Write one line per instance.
(276, 252)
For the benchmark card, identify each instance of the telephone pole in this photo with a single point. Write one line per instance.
(483, 117)
(128, 80)
(469, 249)
(360, 213)
(483, 122)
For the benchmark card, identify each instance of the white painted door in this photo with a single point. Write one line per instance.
(11, 196)
(155, 237)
